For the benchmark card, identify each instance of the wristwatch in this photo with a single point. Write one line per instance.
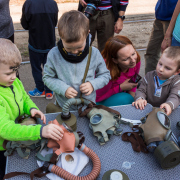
(122, 17)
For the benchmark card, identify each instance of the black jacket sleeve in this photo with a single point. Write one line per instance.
(25, 15)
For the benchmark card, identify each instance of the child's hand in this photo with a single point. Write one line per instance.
(167, 108)
(126, 85)
(71, 93)
(52, 131)
(86, 88)
(38, 114)
(140, 103)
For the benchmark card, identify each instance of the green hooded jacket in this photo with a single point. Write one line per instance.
(15, 102)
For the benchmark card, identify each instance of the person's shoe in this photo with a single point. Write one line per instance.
(49, 95)
(36, 93)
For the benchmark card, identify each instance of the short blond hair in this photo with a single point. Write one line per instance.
(73, 26)
(173, 52)
(9, 53)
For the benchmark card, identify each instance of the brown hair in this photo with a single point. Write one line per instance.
(113, 45)
(9, 53)
(73, 26)
(173, 52)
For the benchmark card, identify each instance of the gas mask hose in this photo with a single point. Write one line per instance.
(91, 176)
(72, 101)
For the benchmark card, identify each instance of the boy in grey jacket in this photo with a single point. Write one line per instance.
(161, 88)
(66, 63)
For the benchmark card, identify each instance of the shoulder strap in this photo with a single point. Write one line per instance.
(91, 105)
(86, 70)
(88, 63)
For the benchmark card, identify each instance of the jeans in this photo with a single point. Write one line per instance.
(36, 60)
(174, 42)
(102, 22)
(117, 100)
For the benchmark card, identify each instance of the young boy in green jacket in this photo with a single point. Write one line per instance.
(15, 102)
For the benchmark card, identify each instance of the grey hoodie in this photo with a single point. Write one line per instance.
(60, 74)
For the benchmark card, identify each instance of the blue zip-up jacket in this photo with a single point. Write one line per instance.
(164, 9)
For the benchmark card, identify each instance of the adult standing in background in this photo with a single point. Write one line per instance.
(172, 36)
(40, 18)
(163, 13)
(107, 19)
(6, 24)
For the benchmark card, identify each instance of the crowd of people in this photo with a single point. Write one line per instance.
(112, 72)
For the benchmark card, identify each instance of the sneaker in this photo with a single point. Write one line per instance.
(36, 93)
(49, 95)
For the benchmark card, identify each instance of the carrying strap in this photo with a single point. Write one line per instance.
(87, 65)
(37, 173)
(136, 140)
(91, 105)
(86, 70)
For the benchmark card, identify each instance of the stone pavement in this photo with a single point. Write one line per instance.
(136, 10)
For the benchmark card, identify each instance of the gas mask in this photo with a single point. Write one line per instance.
(104, 121)
(67, 144)
(104, 124)
(156, 127)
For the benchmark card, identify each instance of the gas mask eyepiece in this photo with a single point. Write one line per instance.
(163, 119)
(96, 119)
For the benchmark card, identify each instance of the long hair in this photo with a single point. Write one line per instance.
(112, 46)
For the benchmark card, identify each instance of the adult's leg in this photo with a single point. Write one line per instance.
(117, 100)
(92, 27)
(36, 59)
(154, 46)
(2, 164)
(105, 28)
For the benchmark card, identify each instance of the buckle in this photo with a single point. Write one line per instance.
(58, 158)
(45, 166)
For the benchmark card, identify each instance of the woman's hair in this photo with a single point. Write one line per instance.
(113, 45)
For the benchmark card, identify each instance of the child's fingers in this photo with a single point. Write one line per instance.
(43, 118)
(88, 93)
(141, 106)
(74, 91)
(145, 103)
(136, 105)
(55, 136)
(72, 94)
(59, 129)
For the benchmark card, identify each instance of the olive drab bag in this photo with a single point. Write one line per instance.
(23, 148)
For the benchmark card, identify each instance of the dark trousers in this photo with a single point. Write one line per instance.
(37, 60)
(102, 23)
(2, 164)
